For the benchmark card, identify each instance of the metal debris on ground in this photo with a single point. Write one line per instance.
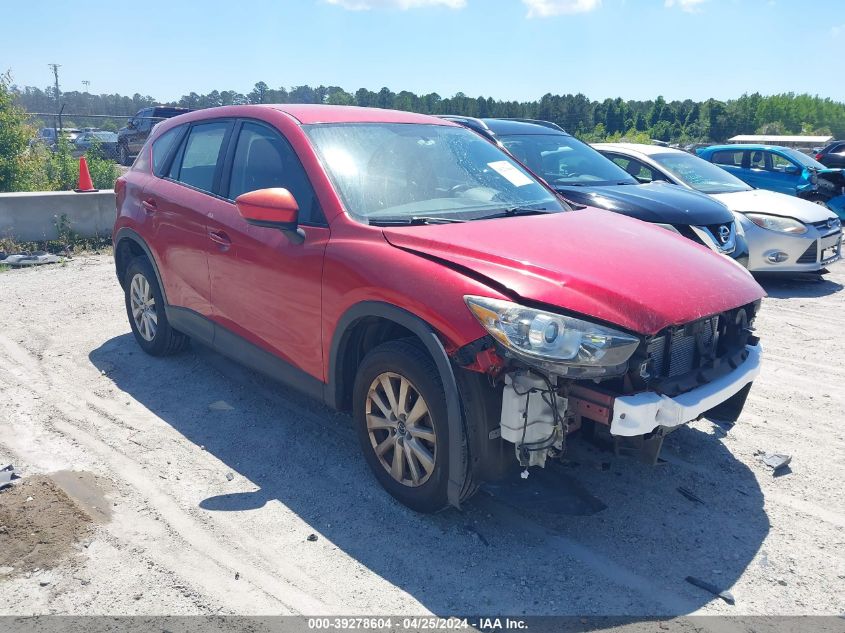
(7, 475)
(689, 494)
(477, 534)
(312, 537)
(775, 461)
(221, 405)
(229, 476)
(725, 595)
(36, 258)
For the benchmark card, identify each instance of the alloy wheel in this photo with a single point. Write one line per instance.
(400, 429)
(143, 306)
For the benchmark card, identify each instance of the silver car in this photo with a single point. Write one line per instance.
(784, 233)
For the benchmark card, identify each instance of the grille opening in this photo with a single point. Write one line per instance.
(810, 255)
(683, 349)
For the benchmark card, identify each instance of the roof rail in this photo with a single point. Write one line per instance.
(548, 124)
(468, 119)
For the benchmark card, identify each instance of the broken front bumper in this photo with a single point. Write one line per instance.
(642, 413)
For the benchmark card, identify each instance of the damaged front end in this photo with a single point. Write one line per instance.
(557, 374)
(826, 186)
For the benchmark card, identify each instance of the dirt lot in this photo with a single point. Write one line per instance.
(156, 498)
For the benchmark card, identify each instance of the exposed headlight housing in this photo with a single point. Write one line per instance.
(563, 345)
(777, 223)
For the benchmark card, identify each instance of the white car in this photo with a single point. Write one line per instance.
(784, 233)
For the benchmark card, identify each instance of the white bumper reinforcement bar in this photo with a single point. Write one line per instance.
(643, 412)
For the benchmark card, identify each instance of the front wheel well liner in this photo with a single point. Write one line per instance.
(379, 320)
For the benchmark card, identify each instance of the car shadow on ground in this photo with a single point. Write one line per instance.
(798, 285)
(597, 534)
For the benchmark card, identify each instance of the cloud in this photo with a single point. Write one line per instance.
(366, 5)
(690, 6)
(547, 8)
(836, 31)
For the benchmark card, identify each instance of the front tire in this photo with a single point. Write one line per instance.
(399, 406)
(145, 309)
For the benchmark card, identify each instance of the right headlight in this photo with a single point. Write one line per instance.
(777, 223)
(573, 346)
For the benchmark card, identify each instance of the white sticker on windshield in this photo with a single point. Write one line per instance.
(513, 175)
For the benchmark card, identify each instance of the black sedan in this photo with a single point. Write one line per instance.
(583, 176)
(104, 142)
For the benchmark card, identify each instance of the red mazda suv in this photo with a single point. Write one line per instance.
(401, 267)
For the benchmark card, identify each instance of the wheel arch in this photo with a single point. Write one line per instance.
(128, 244)
(345, 353)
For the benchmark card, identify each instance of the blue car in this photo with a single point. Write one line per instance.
(782, 169)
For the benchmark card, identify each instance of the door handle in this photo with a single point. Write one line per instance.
(220, 238)
(149, 205)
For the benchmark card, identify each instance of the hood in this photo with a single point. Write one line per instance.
(590, 262)
(653, 202)
(773, 203)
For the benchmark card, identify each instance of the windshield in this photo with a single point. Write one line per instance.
(564, 160)
(387, 170)
(699, 174)
(802, 159)
(105, 136)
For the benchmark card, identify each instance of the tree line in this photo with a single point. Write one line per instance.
(684, 121)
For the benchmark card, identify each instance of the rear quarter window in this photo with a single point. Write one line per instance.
(162, 146)
(727, 158)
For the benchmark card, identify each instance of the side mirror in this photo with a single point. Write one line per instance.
(274, 208)
(791, 170)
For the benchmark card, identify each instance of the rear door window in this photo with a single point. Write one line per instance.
(198, 157)
(264, 159)
(639, 170)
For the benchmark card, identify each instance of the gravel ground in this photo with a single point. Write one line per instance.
(191, 506)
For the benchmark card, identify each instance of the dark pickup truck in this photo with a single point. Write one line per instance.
(132, 136)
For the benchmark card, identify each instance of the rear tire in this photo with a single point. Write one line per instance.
(399, 406)
(123, 155)
(145, 309)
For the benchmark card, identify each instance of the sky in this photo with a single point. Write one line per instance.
(507, 49)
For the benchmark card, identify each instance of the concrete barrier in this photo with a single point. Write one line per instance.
(32, 215)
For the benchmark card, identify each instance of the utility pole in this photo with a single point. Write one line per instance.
(55, 68)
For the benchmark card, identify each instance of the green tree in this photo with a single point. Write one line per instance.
(19, 164)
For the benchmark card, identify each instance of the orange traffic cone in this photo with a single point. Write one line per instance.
(85, 183)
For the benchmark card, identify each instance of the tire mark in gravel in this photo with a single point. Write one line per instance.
(192, 532)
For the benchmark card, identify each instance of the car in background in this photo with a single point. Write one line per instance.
(832, 155)
(48, 136)
(132, 136)
(782, 169)
(785, 234)
(583, 176)
(403, 268)
(105, 142)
